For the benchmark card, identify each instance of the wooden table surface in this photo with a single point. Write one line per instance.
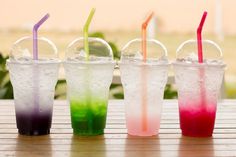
(116, 142)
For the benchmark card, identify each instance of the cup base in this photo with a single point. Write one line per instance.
(88, 133)
(34, 132)
(140, 133)
(191, 134)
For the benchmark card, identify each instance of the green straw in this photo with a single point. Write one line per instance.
(86, 27)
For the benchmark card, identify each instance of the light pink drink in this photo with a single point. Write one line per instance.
(135, 127)
(144, 83)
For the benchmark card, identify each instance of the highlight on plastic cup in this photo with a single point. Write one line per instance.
(33, 84)
(198, 85)
(88, 83)
(143, 83)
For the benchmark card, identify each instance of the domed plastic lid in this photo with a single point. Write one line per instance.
(22, 50)
(99, 50)
(188, 51)
(132, 51)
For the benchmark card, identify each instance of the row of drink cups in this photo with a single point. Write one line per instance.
(88, 81)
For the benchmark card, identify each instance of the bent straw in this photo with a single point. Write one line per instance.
(199, 37)
(35, 36)
(144, 36)
(35, 68)
(200, 56)
(86, 48)
(85, 30)
(144, 77)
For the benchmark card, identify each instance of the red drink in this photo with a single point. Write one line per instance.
(197, 120)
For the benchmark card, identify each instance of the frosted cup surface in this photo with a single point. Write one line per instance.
(198, 87)
(88, 83)
(33, 84)
(144, 84)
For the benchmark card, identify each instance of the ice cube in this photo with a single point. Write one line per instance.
(213, 62)
(191, 58)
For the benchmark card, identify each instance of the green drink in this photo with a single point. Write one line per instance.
(88, 117)
(88, 81)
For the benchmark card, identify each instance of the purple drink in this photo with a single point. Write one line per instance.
(34, 124)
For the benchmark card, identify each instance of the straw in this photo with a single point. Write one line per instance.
(35, 68)
(144, 77)
(35, 36)
(199, 37)
(144, 36)
(86, 28)
(86, 48)
(200, 57)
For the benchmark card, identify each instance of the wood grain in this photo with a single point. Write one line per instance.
(116, 142)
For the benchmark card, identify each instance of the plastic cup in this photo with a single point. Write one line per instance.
(144, 84)
(198, 86)
(33, 84)
(88, 85)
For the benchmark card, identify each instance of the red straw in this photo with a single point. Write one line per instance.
(200, 57)
(144, 36)
(199, 37)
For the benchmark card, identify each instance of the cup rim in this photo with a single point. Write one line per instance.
(198, 65)
(90, 62)
(144, 63)
(52, 61)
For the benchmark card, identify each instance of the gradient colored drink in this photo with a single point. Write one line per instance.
(33, 84)
(33, 101)
(88, 118)
(197, 97)
(143, 84)
(198, 86)
(88, 81)
(137, 122)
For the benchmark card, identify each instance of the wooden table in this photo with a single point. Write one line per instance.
(116, 142)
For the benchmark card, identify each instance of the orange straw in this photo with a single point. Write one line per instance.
(144, 77)
(144, 36)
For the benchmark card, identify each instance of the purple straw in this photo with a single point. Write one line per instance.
(35, 36)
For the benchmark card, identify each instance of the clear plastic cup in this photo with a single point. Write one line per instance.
(88, 85)
(198, 87)
(33, 84)
(144, 84)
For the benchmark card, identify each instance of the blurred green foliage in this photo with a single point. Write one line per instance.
(6, 91)
(60, 92)
(116, 52)
(170, 92)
